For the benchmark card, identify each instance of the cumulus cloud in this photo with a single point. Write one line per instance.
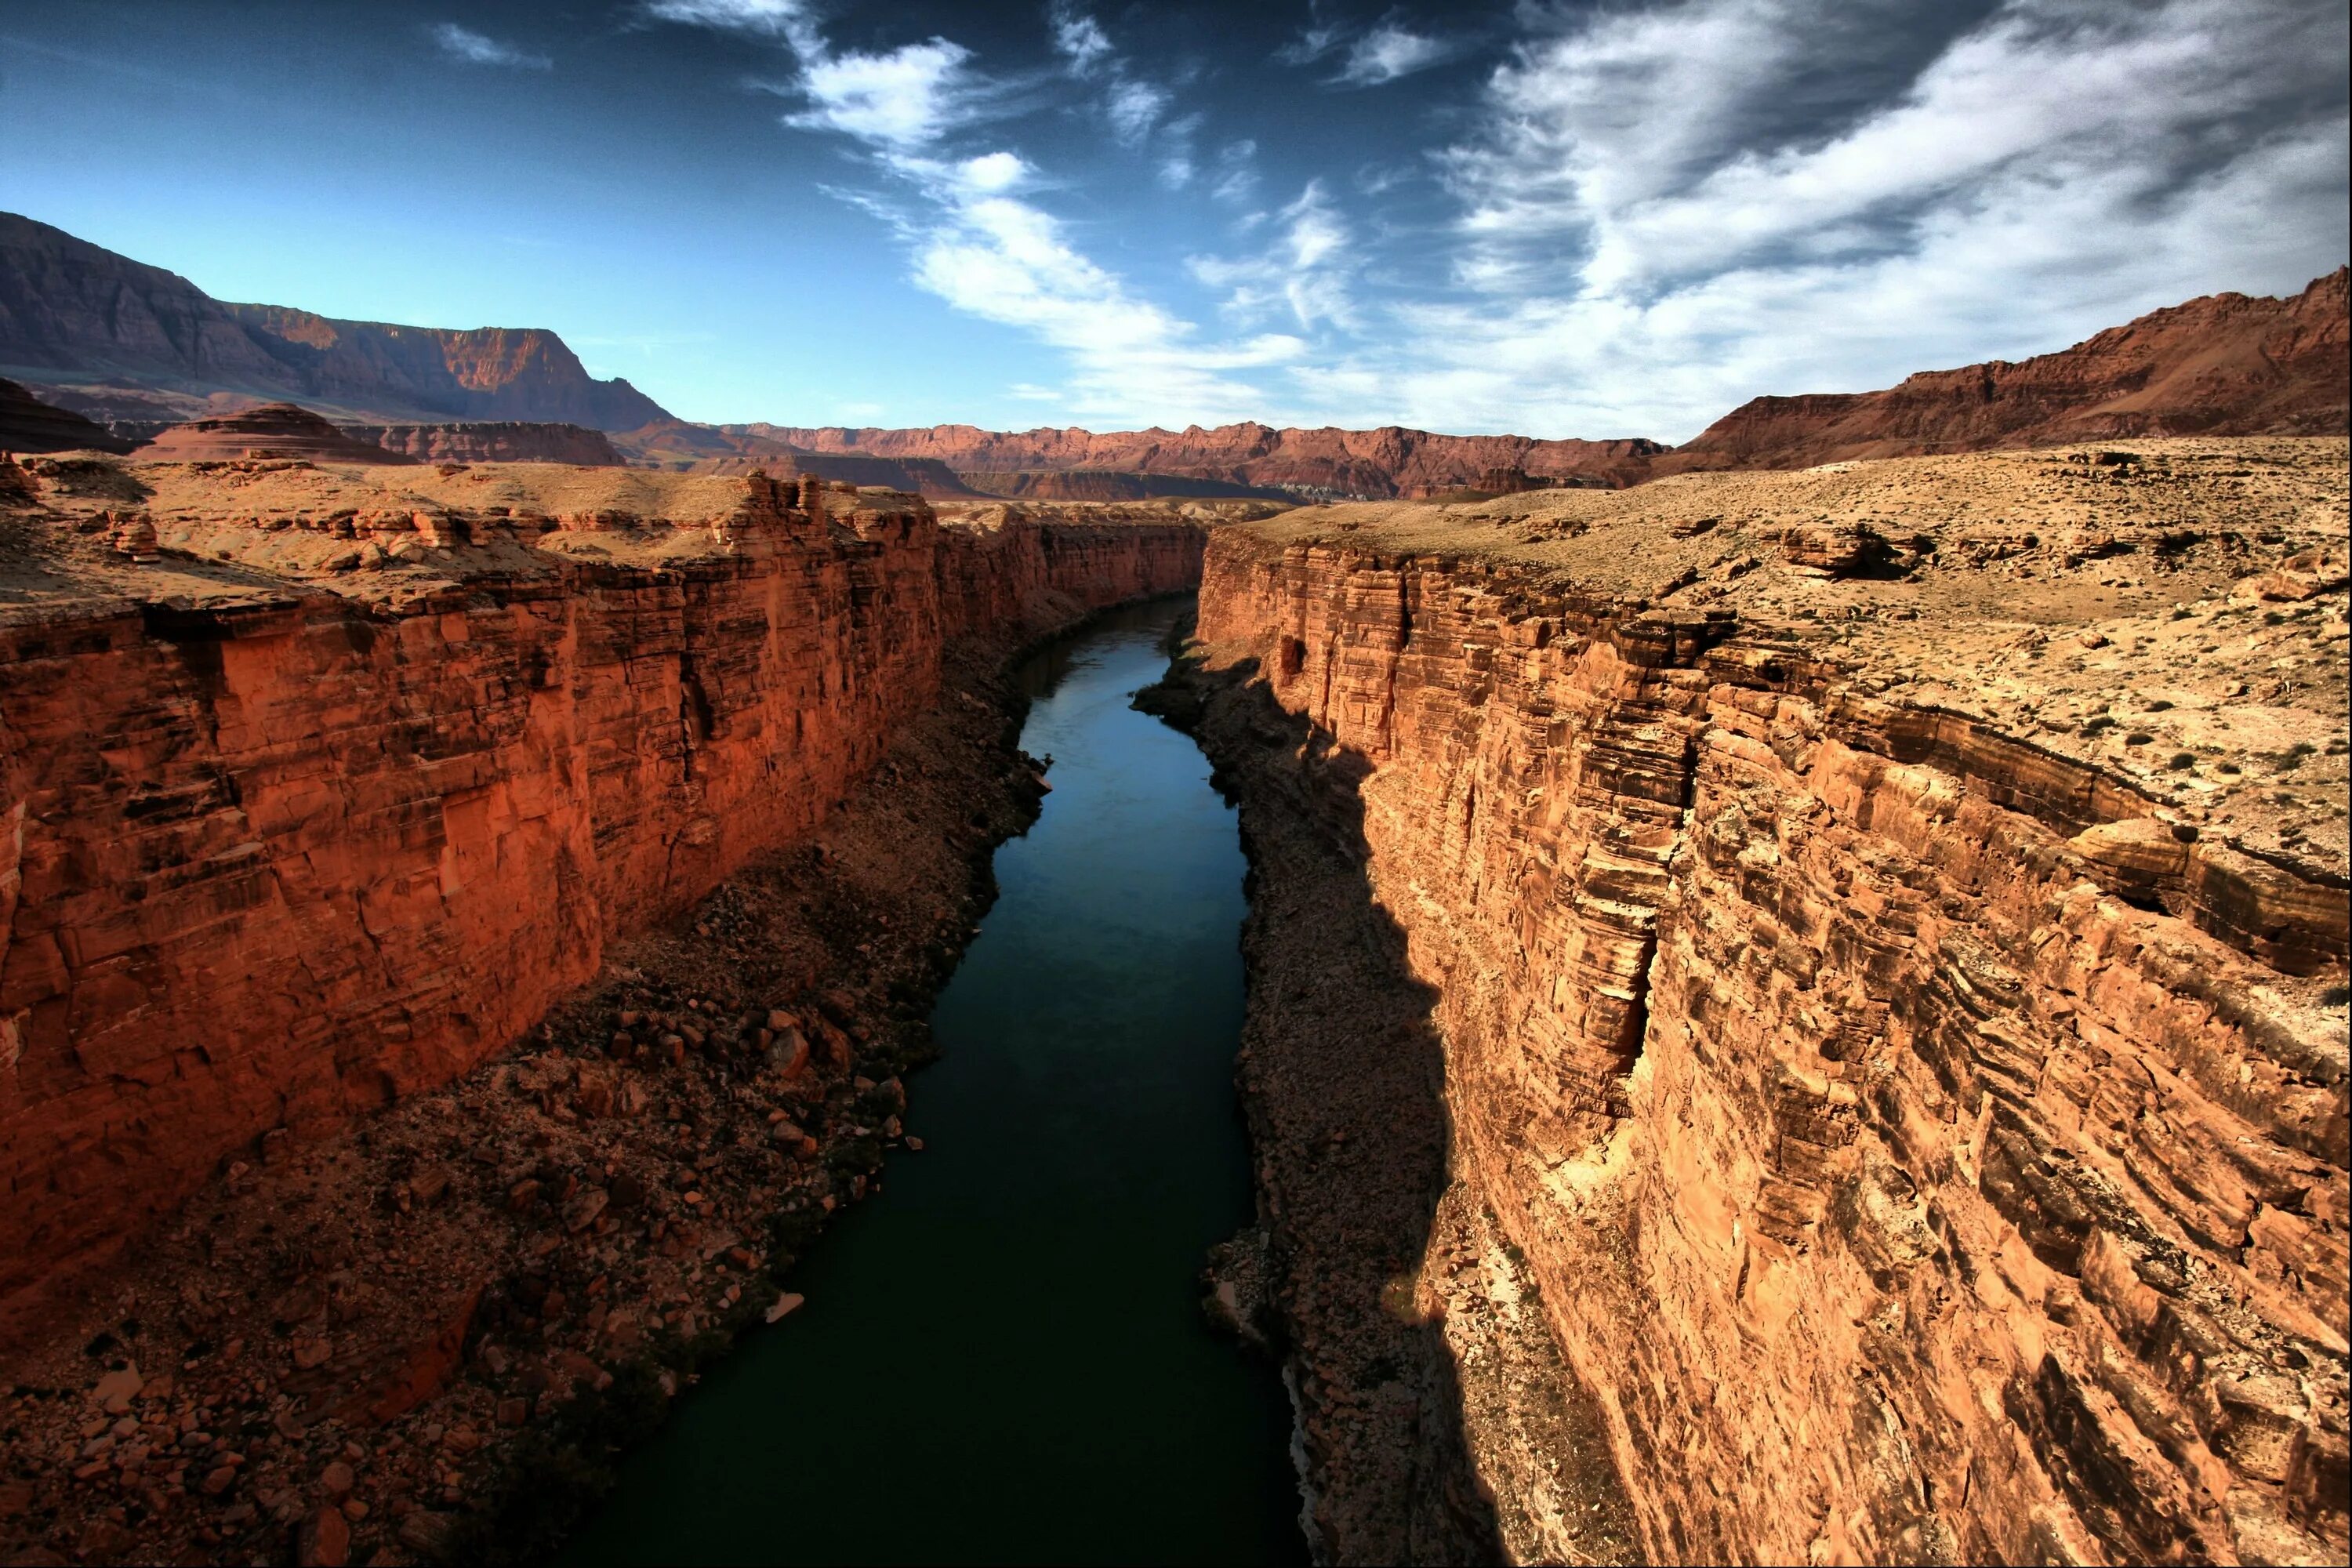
(473, 48)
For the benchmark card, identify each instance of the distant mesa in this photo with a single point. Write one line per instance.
(1109, 485)
(1246, 458)
(494, 441)
(271, 430)
(29, 424)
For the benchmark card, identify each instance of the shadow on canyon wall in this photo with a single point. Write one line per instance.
(1343, 1081)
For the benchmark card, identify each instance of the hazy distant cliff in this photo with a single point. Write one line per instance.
(110, 335)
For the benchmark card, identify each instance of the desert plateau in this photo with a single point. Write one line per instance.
(773, 959)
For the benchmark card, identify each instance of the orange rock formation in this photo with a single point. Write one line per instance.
(1922, 1111)
(495, 441)
(269, 430)
(337, 796)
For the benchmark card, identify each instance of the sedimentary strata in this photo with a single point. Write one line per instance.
(361, 768)
(1389, 461)
(1885, 935)
(492, 441)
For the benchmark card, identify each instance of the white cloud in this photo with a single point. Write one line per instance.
(1646, 239)
(1081, 40)
(1389, 51)
(1134, 108)
(978, 244)
(1304, 272)
(901, 100)
(778, 19)
(474, 49)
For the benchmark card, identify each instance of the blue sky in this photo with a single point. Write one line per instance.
(1550, 219)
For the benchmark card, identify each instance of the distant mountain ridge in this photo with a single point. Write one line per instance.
(110, 337)
(102, 336)
(2222, 365)
(1389, 461)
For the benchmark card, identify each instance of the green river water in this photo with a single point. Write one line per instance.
(1003, 1356)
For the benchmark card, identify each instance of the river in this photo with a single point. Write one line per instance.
(1002, 1357)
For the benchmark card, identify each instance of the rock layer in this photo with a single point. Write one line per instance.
(493, 441)
(29, 424)
(1905, 1179)
(280, 852)
(1388, 461)
(270, 430)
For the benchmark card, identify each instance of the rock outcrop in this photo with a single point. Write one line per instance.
(2221, 365)
(115, 337)
(493, 441)
(1924, 1125)
(1106, 485)
(29, 424)
(366, 768)
(1389, 461)
(269, 430)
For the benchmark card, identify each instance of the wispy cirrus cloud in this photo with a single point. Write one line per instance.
(1389, 51)
(975, 235)
(470, 48)
(1648, 232)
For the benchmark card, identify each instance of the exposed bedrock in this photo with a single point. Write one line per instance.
(272, 858)
(1923, 1147)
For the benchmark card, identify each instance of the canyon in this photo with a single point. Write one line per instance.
(1885, 976)
(1796, 985)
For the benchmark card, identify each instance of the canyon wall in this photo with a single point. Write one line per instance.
(1388, 461)
(491, 441)
(275, 857)
(1927, 1149)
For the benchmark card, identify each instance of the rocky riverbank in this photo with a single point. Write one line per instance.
(1404, 1320)
(425, 1340)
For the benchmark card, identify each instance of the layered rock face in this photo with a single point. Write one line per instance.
(492, 441)
(291, 839)
(2222, 365)
(123, 337)
(1389, 461)
(1930, 1143)
(270, 430)
(29, 424)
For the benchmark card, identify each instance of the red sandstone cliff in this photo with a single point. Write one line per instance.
(282, 849)
(2221, 365)
(136, 341)
(1920, 1141)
